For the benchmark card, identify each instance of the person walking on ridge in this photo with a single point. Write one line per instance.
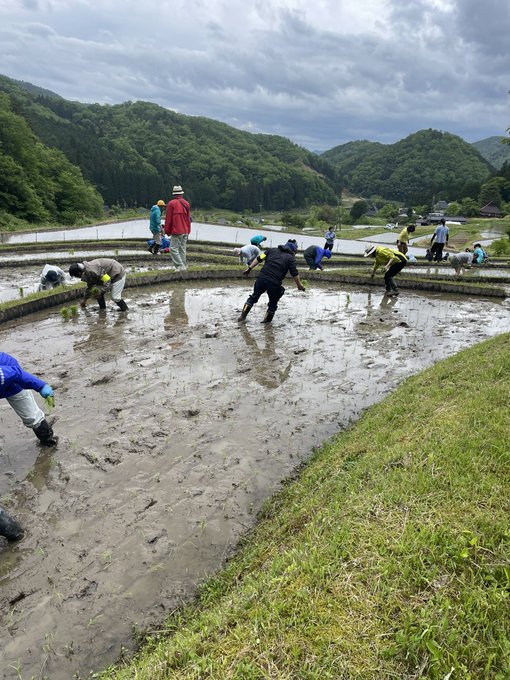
(155, 225)
(178, 227)
(276, 263)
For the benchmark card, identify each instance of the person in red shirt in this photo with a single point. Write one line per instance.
(178, 227)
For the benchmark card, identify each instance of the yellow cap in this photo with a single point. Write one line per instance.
(160, 202)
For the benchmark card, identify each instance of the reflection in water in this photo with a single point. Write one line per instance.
(387, 301)
(266, 365)
(40, 472)
(105, 331)
(178, 315)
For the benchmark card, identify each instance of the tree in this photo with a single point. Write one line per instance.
(358, 209)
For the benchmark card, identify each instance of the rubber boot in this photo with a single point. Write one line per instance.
(121, 304)
(45, 434)
(151, 248)
(101, 301)
(268, 318)
(155, 249)
(245, 312)
(9, 527)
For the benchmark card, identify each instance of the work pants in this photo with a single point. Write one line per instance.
(178, 250)
(273, 289)
(26, 407)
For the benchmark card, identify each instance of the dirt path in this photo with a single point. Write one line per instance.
(175, 424)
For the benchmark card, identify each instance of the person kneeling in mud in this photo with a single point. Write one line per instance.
(15, 386)
(101, 276)
(276, 263)
(391, 260)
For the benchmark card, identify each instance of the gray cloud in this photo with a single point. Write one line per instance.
(320, 75)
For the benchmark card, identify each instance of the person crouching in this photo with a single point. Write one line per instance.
(101, 276)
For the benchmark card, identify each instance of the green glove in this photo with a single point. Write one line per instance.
(50, 402)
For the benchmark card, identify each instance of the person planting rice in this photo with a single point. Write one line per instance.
(276, 263)
(16, 386)
(313, 256)
(247, 253)
(101, 276)
(392, 261)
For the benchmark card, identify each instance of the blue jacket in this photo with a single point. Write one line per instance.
(155, 219)
(13, 378)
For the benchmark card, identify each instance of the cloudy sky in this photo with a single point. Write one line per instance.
(321, 73)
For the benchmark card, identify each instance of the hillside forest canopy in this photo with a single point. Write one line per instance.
(62, 161)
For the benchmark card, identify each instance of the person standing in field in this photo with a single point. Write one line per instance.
(178, 227)
(403, 238)
(155, 225)
(439, 240)
(330, 237)
(393, 262)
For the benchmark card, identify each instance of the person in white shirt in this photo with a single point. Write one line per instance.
(247, 253)
(51, 277)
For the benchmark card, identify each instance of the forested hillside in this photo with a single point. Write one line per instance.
(412, 170)
(38, 183)
(134, 152)
(495, 150)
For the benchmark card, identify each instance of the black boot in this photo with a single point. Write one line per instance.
(245, 312)
(268, 318)
(121, 304)
(155, 249)
(151, 248)
(101, 301)
(9, 527)
(45, 434)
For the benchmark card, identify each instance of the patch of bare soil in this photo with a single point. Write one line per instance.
(175, 423)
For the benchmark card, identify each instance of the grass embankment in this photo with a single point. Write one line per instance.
(388, 558)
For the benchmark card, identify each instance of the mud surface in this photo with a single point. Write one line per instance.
(175, 424)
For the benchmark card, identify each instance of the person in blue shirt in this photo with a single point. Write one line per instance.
(257, 240)
(479, 254)
(313, 256)
(439, 240)
(16, 386)
(155, 225)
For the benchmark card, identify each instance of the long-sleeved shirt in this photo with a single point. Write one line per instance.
(277, 262)
(177, 218)
(45, 284)
(478, 255)
(101, 273)
(330, 236)
(155, 219)
(13, 378)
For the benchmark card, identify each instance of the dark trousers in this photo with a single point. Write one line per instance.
(437, 251)
(274, 293)
(328, 246)
(310, 260)
(393, 271)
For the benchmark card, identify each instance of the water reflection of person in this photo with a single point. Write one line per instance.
(267, 368)
(178, 315)
(103, 333)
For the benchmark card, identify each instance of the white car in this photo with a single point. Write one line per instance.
(390, 225)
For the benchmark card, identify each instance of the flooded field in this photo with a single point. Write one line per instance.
(175, 423)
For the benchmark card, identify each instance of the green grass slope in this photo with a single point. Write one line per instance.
(387, 558)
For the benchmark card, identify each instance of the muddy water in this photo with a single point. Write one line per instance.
(175, 424)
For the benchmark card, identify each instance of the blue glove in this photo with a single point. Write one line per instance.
(46, 391)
